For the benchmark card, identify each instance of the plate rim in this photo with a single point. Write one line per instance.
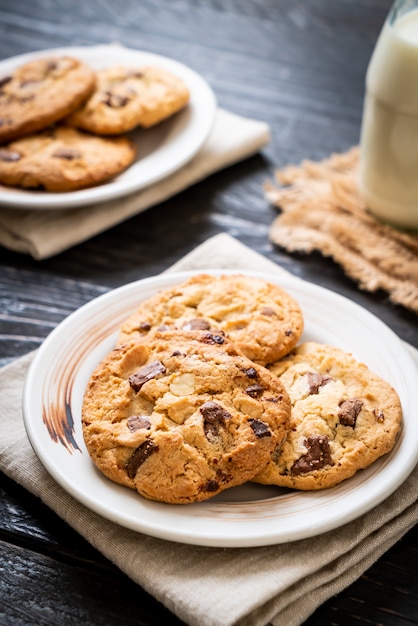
(22, 199)
(199, 538)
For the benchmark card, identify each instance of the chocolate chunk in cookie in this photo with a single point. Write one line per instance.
(317, 456)
(349, 409)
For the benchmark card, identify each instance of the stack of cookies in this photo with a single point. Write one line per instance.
(208, 388)
(63, 126)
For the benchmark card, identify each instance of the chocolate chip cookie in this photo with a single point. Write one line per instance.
(181, 416)
(41, 92)
(262, 319)
(343, 418)
(63, 159)
(128, 97)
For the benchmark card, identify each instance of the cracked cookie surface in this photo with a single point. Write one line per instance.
(127, 97)
(182, 416)
(40, 93)
(262, 319)
(63, 159)
(343, 418)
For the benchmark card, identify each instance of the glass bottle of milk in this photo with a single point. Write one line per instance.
(388, 171)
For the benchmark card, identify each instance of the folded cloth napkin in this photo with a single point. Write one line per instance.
(281, 584)
(44, 233)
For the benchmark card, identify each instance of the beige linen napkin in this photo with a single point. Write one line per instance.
(44, 233)
(203, 586)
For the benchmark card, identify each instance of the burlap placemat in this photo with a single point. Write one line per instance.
(322, 210)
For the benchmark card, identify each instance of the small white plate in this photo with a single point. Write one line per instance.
(250, 515)
(161, 150)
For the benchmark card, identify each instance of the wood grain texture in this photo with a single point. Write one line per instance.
(300, 67)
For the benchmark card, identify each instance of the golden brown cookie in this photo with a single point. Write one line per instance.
(182, 416)
(129, 97)
(262, 319)
(63, 159)
(41, 92)
(344, 417)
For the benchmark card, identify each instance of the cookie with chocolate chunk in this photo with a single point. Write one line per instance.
(344, 417)
(40, 93)
(63, 159)
(262, 319)
(128, 97)
(182, 416)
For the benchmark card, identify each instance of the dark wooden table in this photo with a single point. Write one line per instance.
(299, 66)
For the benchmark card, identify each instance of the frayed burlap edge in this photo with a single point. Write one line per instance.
(322, 210)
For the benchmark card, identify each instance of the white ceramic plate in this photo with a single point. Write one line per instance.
(249, 515)
(162, 149)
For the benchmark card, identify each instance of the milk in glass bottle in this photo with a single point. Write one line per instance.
(388, 171)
